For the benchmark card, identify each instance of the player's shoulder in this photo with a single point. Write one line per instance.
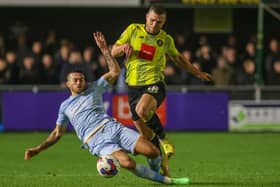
(165, 34)
(133, 26)
(65, 103)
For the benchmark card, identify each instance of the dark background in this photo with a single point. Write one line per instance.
(77, 24)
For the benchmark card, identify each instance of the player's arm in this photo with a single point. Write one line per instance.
(114, 68)
(120, 50)
(186, 65)
(122, 46)
(55, 135)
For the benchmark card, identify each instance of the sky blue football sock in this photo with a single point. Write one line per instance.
(147, 173)
(154, 163)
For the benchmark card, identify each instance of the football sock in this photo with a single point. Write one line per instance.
(155, 124)
(156, 142)
(147, 173)
(154, 163)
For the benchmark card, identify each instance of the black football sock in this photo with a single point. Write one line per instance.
(155, 124)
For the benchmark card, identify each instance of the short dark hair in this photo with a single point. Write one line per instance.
(75, 71)
(157, 9)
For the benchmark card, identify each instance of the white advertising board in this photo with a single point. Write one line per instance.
(254, 116)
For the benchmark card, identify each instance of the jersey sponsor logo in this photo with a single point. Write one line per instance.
(159, 42)
(121, 110)
(147, 52)
(153, 89)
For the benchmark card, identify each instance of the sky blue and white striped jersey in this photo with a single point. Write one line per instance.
(84, 111)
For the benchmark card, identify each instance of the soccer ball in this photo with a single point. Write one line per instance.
(108, 166)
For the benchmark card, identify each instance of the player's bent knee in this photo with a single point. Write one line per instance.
(154, 152)
(128, 164)
(141, 112)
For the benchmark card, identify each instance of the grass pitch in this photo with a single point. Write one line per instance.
(208, 159)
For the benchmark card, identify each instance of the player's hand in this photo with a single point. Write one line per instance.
(128, 50)
(100, 40)
(29, 153)
(205, 76)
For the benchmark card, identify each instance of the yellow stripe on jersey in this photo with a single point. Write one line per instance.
(146, 65)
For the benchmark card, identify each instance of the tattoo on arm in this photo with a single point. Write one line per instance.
(112, 63)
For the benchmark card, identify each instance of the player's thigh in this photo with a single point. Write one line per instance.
(127, 138)
(146, 148)
(147, 102)
(143, 129)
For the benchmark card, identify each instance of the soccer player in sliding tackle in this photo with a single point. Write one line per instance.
(100, 133)
(146, 47)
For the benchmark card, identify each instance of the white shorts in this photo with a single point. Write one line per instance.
(113, 137)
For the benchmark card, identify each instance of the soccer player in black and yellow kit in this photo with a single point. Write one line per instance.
(146, 47)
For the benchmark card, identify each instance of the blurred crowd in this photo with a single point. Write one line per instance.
(48, 60)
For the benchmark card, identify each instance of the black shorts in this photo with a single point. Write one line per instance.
(135, 93)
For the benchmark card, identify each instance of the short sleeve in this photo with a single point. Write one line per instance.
(101, 85)
(62, 118)
(171, 49)
(125, 36)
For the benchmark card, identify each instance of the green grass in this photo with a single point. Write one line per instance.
(208, 159)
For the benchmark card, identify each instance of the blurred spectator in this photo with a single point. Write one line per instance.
(173, 74)
(273, 78)
(272, 56)
(189, 56)
(180, 41)
(62, 56)
(102, 66)
(75, 63)
(231, 58)
(206, 59)
(50, 43)
(246, 75)
(49, 70)
(11, 59)
(192, 80)
(37, 51)
(223, 74)
(88, 56)
(203, 40)
(22, 49)
(232, 42)
(4, 72)
(2, 45)
(250, 52)
(29, 74)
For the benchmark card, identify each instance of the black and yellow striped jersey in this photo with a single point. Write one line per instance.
(146, 65)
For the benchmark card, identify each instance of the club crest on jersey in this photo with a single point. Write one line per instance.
(159, 42)
(153, 89)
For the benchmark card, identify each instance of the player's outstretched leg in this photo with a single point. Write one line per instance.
(147, 173)
(155, 124)
(155, 163)
(168, 149)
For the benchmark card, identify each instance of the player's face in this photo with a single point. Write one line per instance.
(154, 22)
(76, 83)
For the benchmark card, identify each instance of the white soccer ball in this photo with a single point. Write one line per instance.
(108, 166)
